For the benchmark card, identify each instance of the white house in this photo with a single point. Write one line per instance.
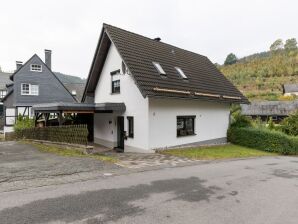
(149, 95)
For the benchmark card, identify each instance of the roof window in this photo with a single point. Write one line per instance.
(181, 73)
(159, 68)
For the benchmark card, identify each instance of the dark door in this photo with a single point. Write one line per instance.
(120, 133)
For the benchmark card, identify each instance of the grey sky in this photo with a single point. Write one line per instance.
(71, 28)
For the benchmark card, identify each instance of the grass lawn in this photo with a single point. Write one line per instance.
(217, 152)
(70, 152)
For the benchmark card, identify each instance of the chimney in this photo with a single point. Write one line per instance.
(157, 39)
(19, 64)
(48, 58)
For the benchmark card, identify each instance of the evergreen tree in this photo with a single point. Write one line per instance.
(231, 59)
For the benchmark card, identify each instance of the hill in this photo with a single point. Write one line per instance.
(69, 78)
(261, 76)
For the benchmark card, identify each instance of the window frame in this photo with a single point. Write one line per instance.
(185, 117)
(3, 93)
(130, 126)
(181, 73)
(30, 90)
(159, 68)
(114, 90)
(32, 69)
(22, 89)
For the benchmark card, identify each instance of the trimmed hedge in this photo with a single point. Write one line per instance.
(267, 140)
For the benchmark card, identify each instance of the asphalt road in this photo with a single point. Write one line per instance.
(262, 190)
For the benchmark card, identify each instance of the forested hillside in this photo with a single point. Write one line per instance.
(260, 76)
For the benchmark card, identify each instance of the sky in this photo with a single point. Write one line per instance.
(71, 28)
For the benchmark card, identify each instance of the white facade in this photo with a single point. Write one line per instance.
(211, 121)
(155, 120)
(105, 127)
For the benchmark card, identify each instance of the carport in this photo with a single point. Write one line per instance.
(57, 114)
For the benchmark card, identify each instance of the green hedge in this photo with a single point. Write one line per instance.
(267, 140)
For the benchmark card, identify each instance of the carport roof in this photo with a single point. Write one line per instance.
(78, 107)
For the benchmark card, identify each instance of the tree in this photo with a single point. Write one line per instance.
(277, 45)
(231, 59)
(291, 44)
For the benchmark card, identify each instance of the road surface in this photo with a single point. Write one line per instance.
(259, 191)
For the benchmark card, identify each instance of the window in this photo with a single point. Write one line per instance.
(34, 90)
(181, 73)
(115, 75)
(28, 89)
(35, 68)
(116, 86)
(185, 125)
(25, 89)
(159, 68)
(2, 93)
(130, 127)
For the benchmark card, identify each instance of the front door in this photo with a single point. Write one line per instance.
(120, 133)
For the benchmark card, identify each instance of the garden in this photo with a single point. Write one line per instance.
(267, 136)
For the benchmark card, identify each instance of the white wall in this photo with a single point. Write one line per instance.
(136, 105)
(212, 120)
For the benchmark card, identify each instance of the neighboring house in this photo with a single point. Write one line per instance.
(277, 110)
(145, 94)
(33, 83)
(4, 80)
(76, 89)
(290, 89)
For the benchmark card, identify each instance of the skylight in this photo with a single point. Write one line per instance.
(159, 68)
(181, 73)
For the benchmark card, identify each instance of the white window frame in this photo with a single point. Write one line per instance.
(34, 90)
(31, 91)
(181, 73)
(35, 68)
(3, 93)
(159, 68)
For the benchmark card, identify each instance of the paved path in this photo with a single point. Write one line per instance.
(23, 166)
(258, 191)
(143, 160)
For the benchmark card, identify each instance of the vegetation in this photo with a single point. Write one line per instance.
(231, 59)
(23, 122)
(217, 152)
(260, 76)
(264, 139)
(71, 152)
(290, 124)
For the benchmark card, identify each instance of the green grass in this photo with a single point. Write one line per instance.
(70, 152)
(217, 152)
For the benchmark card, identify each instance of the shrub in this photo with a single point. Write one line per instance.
(22, 123)
(240, 121)
(271, 125)
(290, 124)
(264, 139)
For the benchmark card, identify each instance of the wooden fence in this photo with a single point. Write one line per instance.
(73, 134)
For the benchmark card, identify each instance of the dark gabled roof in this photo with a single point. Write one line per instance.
(4, 79)
(290, 88)
(270, 108)
(78, 87)
(138, 52)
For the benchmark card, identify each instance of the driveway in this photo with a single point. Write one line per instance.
(260, 191)
(23, 166)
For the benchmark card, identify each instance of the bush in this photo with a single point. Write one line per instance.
(240, 121)
(290, 124)
(22, 123)
(264, 139)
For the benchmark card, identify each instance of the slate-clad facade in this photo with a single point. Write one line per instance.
(47, 89)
